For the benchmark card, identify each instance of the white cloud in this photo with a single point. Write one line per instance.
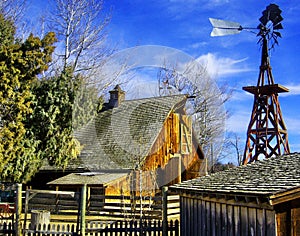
(240, 95)
(294, 90)
(198, 45)
(293, 125)
(141, 85)
(238, 122)
(143, 89)
(191, 4)
(218, 67)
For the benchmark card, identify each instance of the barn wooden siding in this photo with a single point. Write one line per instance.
(288, 218)
(176, 152)
(175, 156)
(220, 217)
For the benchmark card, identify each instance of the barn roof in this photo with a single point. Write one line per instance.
(122, 136)
(267, 177)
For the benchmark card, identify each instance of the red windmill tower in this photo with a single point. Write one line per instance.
(266, 134)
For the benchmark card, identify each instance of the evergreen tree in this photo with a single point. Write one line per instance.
(7, 31)
(87, 102)
(52, 119)
(20, 63)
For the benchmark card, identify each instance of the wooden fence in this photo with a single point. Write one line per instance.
(104, 215)
(107, 207)
(134, 228)
(128, 228)
(6, 228)
(6, 225)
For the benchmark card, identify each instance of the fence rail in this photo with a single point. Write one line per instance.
(110, 207)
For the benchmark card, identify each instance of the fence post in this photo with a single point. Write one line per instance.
(18, 210)
(165, 210)
(83, 210)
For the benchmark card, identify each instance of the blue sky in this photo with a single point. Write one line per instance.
(183, 25)
(235, 59)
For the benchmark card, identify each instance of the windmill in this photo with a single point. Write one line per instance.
(267, 133)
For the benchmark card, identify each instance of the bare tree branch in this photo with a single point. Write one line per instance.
(80, 27)
(12, 9)
(233, 148)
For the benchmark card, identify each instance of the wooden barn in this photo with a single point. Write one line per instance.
(262, 198)
(152, 138)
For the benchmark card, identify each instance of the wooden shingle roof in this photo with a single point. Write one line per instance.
(89, 178)
(122, 136)
(263, 178)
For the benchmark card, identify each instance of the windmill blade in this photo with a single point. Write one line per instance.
(222, 27)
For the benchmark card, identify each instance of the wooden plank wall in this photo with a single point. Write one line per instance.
(288, 218)
(168, 145)
(210, 218)
(295, 224)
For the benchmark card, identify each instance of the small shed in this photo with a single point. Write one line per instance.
(99, 180)
(261, 198)
(97, 183)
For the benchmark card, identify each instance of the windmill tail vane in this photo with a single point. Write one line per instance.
(224, 27)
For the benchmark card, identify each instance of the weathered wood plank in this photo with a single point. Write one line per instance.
(230, 220)
(213, 218)
(244, 221)
(208, 218)
(199, 217)
(218, 222)
(195, 217)
(260, 222)
(295, 217)
(203, 218)
(252, 221)
(224, 220)
(38, 191)
(182, 216)
(270, 223)
(237, 220)
(281, 224)
(188, 215)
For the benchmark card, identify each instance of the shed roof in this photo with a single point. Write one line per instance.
(265, 178)
(89, 178)
(119, 137)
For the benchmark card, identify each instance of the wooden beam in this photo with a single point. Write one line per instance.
(18, 202)
(285, 196)
(36, 191)
(83, 209)
(262, 203)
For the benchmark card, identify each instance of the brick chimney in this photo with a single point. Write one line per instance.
(117, 96)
